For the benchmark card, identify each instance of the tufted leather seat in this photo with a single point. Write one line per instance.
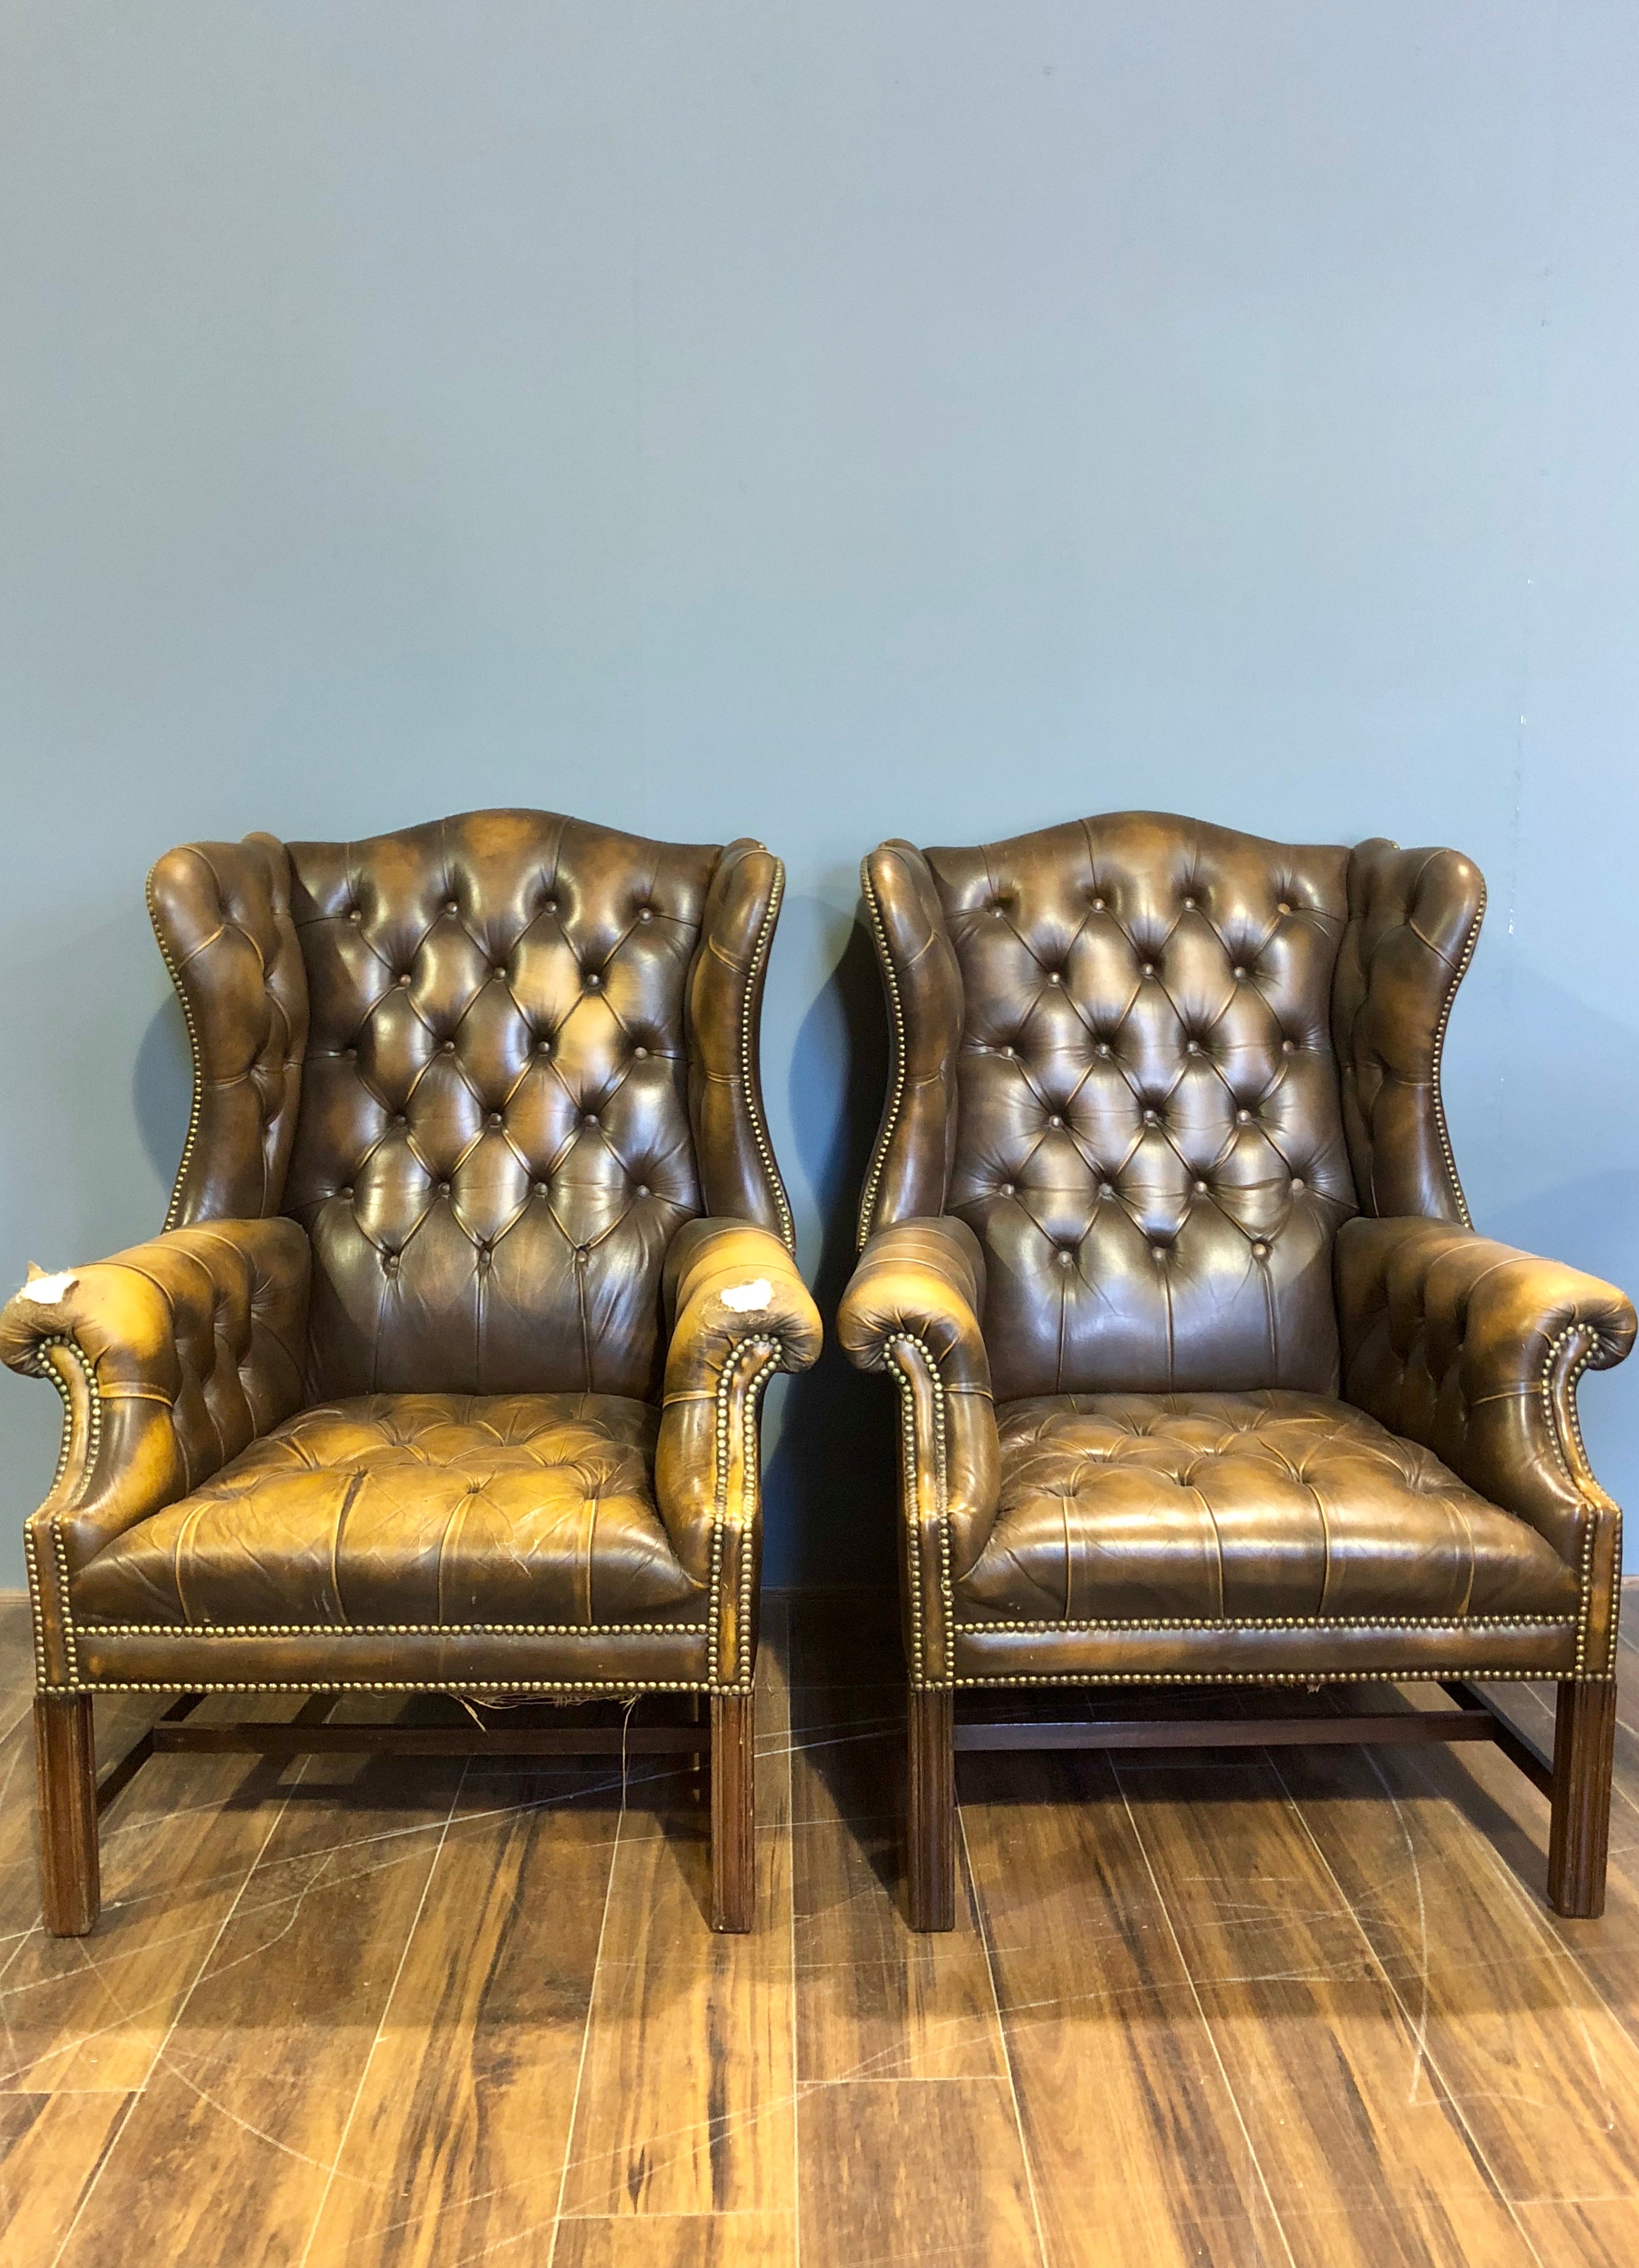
(478, 1256)
(439, 1509)
(1205, 1373)
(1203, 1508)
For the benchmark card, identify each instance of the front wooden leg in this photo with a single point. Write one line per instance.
(733, 1811)
(65, 1769)
(932, 1807)
(1579, 1834)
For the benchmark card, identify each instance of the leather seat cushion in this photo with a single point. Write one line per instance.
(1128, 1507)
(404, 1511)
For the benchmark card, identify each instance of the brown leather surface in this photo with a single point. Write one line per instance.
(916, 1146)
(192, 1347)
(221, 912)
(437, 1509)
(1185, 1062)
(489, 1071)
(1473, 1349)
(1148, 1142)
(493, 1149)
(711, 1387)
(1412, 920)
(1236, 1507)
(924, 1280)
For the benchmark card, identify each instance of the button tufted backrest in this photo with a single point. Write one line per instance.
(1149, 1141)
(531, 1053)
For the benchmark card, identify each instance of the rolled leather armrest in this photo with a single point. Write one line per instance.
(740, 1312)
(170, 1358)
(1474, 1350)
(913, 1308)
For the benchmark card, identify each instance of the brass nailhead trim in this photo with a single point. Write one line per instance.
(1292, 1622)
(896, 1021)
(753, 1086)
(382, 1685)
(197, 1107)
(1458, 975)
(910, 1345)
(394, 1629)
(751, 1457)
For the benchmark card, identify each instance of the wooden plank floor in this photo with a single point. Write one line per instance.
(1285, 2007)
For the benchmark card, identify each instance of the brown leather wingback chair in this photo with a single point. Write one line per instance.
(445, 1373)
(1206, 1378)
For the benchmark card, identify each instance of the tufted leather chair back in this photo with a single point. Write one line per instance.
(1115, 1059)
(490, 1065)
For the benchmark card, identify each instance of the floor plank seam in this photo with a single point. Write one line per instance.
(1166, 1910)
(1007, 2052)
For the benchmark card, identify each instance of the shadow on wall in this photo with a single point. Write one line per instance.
(1591, 1221)
(833, 1487)
(162, 1089)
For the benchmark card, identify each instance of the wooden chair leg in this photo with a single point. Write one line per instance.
(733, 1814)
(65, 1766)
(1585, 1735)
(932, 1807)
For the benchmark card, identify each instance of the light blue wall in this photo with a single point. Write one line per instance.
(823, 421)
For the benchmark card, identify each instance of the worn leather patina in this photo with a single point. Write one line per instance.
(1204, 1374)
(446, 1369)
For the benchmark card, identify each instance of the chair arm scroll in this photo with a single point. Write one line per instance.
(913, 1309)
(1475, 1351)
(741, 1312)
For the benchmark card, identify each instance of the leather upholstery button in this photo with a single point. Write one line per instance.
(1055, 1120)
(494, 1118)
(1148, 969)
(1240, 975)
(1192, 1047)
(1288, 1047)
(641, 1054)
(643, 1188)
(1067, 1260)
(1260, 1251)
(590, 1119)
(450, 906)
(1008, 1052)
(1298, 1181)
(405, 978)
(346, 1192)
(1107, 1188)
(645, 913)
(543, 1047)
(1006, 1189)
(1282, 907)
(540, 1189)
(592, 980)
(390, 1263)
(448, 1048)
(443, 1188)
(550, 906)
(1103, 1047)
(498, 973)
(399, 1119)
(352, 1054)
(1098, 905)
(1152, 1118)
(354, 914)
(1201, 1189)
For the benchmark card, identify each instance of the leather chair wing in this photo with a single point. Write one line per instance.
(221, 912)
